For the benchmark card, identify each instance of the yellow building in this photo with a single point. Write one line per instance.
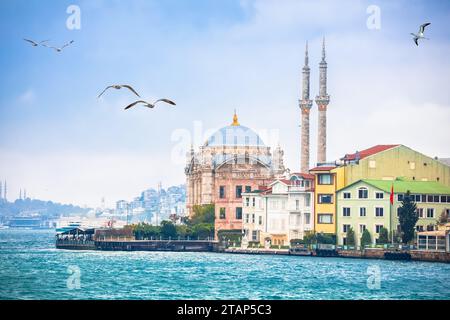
(382, 162)
(328, 179)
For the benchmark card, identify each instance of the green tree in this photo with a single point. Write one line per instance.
(383, 238)
(350, 237)
(366, 238)
(203, 230)
(407, 216)
(443, 217)
(203, 214)
(168, 230)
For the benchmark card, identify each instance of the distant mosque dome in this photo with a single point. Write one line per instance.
(235, 135)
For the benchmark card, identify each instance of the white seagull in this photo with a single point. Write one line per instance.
(118, 87)
(61, 48)
(150, 105)
(34, 43)
(420, 35)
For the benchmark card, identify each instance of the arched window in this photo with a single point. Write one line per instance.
(363, 193)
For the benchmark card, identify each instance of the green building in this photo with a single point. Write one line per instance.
(365, 204)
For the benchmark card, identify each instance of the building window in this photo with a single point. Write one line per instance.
(430, 213)
(418, 198)
(362, 227)
(238, 213)
(297, 205)
(347, 195)
(325, 198)
(346, 212)
(307, 218)
(253, 201)
(260, 221)
(430, 198)
(222, 192)
(378, 228)
(253, 218)
(424, 198)
(345, 228)
(247, 216)
(255, 235)
(420, 212)
(325, 218)
(379, 195)
(363, 193)
(325, 178)
(248, 189)
(443, 199)
(379, 212)
(308, 200)
(419, 228)
(238, 191)
(247, 202)
(222, 213)
(362, 212)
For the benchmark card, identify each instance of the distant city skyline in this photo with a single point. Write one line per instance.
(62, 144)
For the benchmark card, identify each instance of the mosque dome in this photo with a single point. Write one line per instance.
(235, 135)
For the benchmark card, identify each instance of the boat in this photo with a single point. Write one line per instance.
(68, 227)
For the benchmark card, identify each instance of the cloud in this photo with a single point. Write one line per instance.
(27, 97)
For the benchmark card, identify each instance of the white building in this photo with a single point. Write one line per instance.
(280, 213)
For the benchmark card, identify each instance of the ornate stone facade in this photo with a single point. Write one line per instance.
(232, 161)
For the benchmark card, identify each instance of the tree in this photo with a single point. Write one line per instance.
(168, 230)
(444, 217)
(203, 214)
(350, 237)
(366, 238)
(383, 238)
(407, 216)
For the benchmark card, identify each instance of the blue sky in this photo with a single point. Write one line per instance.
(211, 57)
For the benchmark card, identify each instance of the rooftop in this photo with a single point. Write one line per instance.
(358, 155)
(402, 186)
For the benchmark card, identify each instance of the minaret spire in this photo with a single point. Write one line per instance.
(322, 101)
(305, 107)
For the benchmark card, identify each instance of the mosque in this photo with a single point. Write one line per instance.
(235, 160)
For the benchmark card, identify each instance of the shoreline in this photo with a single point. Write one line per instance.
(214, 246)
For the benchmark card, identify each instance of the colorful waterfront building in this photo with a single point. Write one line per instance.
(365, 204)
(232, 161)
(281, 212)
(327, 180)
(380, 162)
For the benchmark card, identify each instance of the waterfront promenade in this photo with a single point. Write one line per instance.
(214, 246)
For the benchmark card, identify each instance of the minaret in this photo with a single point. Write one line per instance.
(322, 101)
(20, 194)
(305, 107)
(5, 192)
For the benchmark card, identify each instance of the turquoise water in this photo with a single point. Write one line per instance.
(31, 268)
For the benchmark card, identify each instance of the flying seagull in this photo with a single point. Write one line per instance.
(34, 43)
(150, 105)
(61, 48)
(118, 87)
(420, 35)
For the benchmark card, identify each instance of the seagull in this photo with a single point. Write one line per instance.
(59, 49)
(150, 105)
(119, 86)
(420, 35)
(34, 43)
